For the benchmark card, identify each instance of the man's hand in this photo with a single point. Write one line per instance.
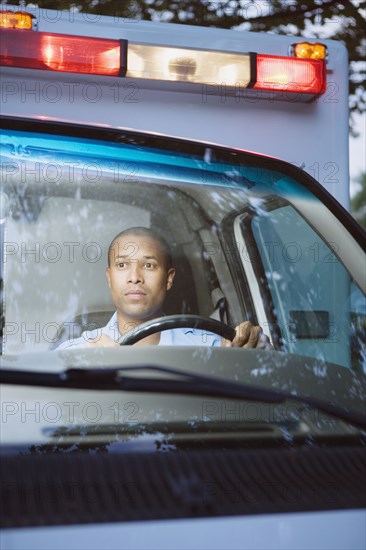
(248, 336)
(103, 342)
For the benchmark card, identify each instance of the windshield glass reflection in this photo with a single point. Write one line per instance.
(248, 243)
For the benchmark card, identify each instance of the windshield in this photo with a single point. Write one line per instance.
(249, 240)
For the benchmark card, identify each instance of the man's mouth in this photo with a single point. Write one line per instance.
(135, 293)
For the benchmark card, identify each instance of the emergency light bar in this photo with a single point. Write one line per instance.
(16, 20)
(309, 51)
(188, 65)
(290, 74)
(98, 56)
(63, 52)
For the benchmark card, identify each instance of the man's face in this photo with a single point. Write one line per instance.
(138, 277)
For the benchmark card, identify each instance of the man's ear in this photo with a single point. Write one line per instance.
(108, 275)
(170, 278)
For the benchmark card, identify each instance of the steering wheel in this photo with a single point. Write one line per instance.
(176, 321)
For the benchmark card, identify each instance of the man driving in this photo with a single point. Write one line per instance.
(139, 274)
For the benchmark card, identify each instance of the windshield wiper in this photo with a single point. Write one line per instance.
(180, 382)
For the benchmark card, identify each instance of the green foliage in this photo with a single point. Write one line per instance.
(358, 202)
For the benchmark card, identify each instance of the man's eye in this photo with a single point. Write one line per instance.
(121, 265)
(149, 265)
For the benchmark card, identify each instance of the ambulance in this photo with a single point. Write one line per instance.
(231, 146)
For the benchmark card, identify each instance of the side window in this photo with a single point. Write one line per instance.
(358, 327)
(312, 293)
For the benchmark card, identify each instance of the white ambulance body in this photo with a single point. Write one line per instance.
(175, 82)
(311, 132)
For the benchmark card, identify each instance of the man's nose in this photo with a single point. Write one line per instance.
(135, 273)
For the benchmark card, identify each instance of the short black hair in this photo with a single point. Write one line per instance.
(145, 232)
